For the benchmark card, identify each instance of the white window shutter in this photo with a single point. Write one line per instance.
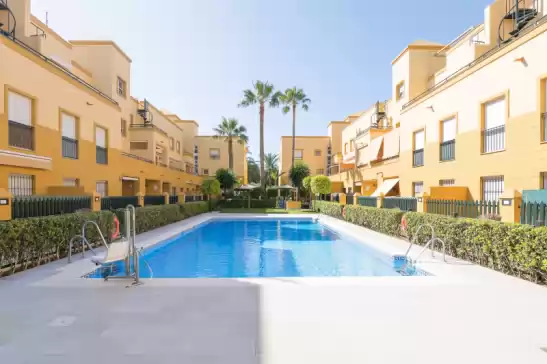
(19, 108)
(69, 126)
(494, 114)
(100, 137)
(449, 130)
(419, 140)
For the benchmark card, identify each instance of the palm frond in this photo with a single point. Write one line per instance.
(249, 98)
(305, 107)
(274, 99)
(286, 109)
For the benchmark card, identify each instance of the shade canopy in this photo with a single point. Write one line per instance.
(246, 188)
(385, 187)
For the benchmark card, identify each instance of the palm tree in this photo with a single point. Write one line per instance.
(229, 129)
(253, 171)
(291, 99)
(270, 165)
(263, 93)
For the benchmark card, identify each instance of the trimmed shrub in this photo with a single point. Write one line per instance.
(195, 208)
(328, 208)
(26, 243)
(244, 203)
(151, 217)
(387, 221)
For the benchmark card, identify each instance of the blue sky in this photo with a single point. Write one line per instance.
(194, 57)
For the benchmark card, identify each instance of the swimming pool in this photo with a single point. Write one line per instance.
(240, 248)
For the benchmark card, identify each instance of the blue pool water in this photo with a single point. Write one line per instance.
(262, 248)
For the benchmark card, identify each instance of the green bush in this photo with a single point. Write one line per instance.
(33, 241)
(195, 208)
(328, 208)
(244, 203)
(518, 250)
(387, 221)
(152, 217)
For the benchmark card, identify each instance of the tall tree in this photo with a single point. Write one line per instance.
(229, 129)
(297, 174)
(263, 93)
(291, 99)
(253, 171)
(270, 165)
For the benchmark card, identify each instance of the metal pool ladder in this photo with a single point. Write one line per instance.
(430, 244)
(130, 234)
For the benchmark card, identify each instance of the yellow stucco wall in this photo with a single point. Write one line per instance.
(205, 143)
(308, 145)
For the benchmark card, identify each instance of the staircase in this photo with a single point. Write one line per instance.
(520, 16)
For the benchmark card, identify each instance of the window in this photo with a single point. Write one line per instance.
(447, 182)
(101, 148)
(70, 182)
(544, 114)
(123, 127)
(417, 188)
(419, 143)
(543, 180)
(214, 153)
(492, 188)
(298, 153)
(101, 188)
(172, 143)
(320, 171)
(21, 132)
(205, 172)
(493, 135)
(121, 87)
(345, 148)
(351, 145)
(69, 140)
(448, 140)
(400, 91)
(178, 146)
(138, 145)
(21, 184)
(317, 152)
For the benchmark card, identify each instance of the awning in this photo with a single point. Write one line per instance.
(391, 144)
(375, 147)
(129, 179)
(363, 156)
(385, 187)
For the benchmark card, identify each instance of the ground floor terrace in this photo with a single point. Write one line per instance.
(458, 312)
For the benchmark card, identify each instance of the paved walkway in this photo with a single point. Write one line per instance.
(464, 314)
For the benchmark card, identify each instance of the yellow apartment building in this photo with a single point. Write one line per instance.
(67, 118)
(316, 151)
(212, 154)
(470, 113)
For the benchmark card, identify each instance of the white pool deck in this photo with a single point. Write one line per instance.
(462, 314)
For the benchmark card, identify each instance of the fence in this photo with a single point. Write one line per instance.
(118, 202)
(173, 199)
(367, 201)
(154, 200)
(35, 206)
(401, 203)
(349, 199)
(189, 198)
(533, 213)
(472, 209)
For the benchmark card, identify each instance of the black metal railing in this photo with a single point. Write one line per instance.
(118, 202)
(35, 206)
(418, 158)
(189, 198)
(102, 155)
(173, 199)
(493, 139)
(448, 150)
(154, 200)
(349, 199)
(21, 135)
(70, 148)
(367, 201)
(401, 203)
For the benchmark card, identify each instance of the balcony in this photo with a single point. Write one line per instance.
(147, 126)
(493, 139)
(418, 158)
(101, 155)
(21, 135)
(448, 150)
(70, 148)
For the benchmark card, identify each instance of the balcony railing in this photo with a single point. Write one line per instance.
(102, 155)
(418, 158)
(21, 135)
(493, 139)
(70, 148)
(448, 150)
(147, 126)
(129, 155)
(544, 119)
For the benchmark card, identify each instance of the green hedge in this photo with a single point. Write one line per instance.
(195, 208)
(518, 250)
(29, 242)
